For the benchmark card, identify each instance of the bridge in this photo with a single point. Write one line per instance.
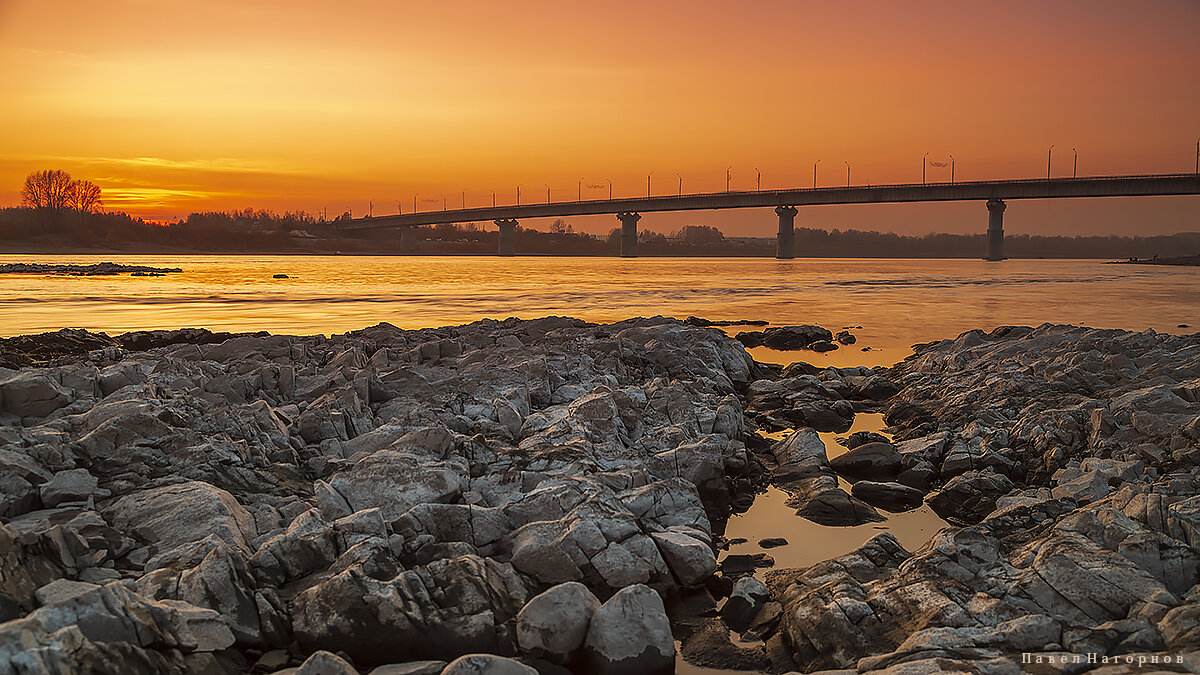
(787, 203)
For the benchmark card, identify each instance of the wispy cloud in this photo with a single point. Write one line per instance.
(217, 165)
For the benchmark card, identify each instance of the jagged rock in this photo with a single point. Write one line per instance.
(325, 663)
(555, 622)
(378, 613)
(68, 486)
(890, 496)
(744, 601)
(690, 559)
(173, 515)
(871, 461)
(395, 481)
(32, 394)
(969, 497)
(630, 634)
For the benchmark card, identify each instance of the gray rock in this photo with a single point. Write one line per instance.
(487, 664)
(68, 486)
(630, 634)
(890, 496)
(325, 663)
(691, 560)
(32, 394)
(555, 622)
(871, 461)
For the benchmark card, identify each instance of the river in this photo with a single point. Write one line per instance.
(896, 302)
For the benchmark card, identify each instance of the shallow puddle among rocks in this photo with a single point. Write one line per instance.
(809, 543)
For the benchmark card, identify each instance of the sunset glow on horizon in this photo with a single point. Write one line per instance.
(174, 106)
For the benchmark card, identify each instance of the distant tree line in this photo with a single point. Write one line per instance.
(61, 213)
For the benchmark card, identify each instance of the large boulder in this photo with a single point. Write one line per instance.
(969, 497)
(32, 394)
(888, 496)
(871, 461)
(554, 624)
(395, 481)
(630, 634)
(170, 516)
(378, 613)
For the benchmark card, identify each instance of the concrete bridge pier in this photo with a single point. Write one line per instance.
(995, 233)
(408, 239)
(508, 236)
(785, 243)
(629, 233)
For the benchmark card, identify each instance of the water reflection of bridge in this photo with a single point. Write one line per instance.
(788, 202)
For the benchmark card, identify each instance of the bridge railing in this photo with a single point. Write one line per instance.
(828, 188)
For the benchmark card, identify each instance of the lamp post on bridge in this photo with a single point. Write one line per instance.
(727, 176)
(680, 184)
(648, 183)
(847, 174)
(923, 168)
(758, 179)
(518, 195)
(547, 194)
(493, 199)
(952, 169)
(815, 173)
(1075, 164)
(609, 189)
(579, 190)
(415, 201)
(1049, 154)
(443, 202)
(464, 198)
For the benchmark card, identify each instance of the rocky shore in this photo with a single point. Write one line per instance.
(550, 496)
(95, 269)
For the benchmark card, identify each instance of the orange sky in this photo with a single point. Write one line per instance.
(180, 105)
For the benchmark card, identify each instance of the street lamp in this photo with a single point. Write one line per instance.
(415, 201)
(759, 173)
(493, 199)
(1075, 163)
(579, 191)
(952, 169)
(847, 173)
(464, 198)
(648, 183)
(1048, 155)
(727, 176)
(443, 202)
(518, 195)
(815, 173)
(923, 168)
(680, 184)
(609, 189)
(547, 194)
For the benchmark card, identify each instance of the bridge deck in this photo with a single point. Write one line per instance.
(1097, 186)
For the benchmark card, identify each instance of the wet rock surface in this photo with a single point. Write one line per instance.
(549, 494)
(1067, 458)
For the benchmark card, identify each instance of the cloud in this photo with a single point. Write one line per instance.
(216, 165)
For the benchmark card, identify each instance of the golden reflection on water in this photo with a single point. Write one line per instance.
(897, 302)
(810, 543)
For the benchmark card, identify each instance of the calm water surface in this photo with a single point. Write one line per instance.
(897, 302)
